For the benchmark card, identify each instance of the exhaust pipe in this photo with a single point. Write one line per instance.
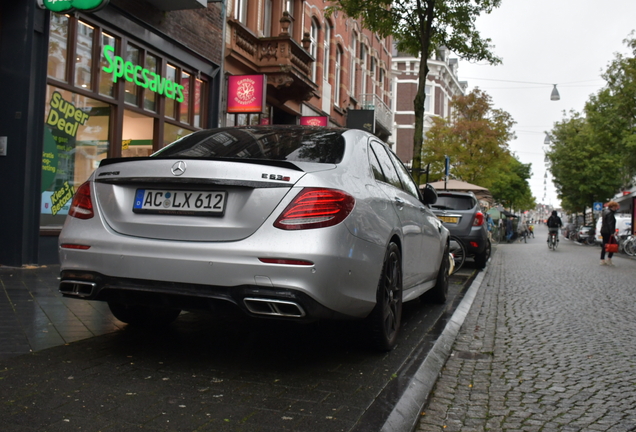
(273, 307)
(77, 288)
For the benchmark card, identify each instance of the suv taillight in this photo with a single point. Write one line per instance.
(479, 219)
(82, 205)
(316, 208)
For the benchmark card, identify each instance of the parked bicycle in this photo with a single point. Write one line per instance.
(627, 243)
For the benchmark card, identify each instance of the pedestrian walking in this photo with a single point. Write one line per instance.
(608, 230)
(509, 229)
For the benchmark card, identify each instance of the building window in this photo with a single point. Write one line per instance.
(327, 53)
(267, 18)
(337, 73)
(240, 11)
(427, 100)
(352, 71)
(288, 6)
(313, 49)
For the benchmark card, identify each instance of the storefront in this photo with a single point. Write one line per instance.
(115, 87)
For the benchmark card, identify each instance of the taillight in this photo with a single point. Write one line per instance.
(479, 219)
(74, 246)
(82, 205)
(316, 208)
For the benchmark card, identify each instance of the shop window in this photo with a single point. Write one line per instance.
(106, 85)
(84, 55)
(196, 120)
(131, 89)
(184, 105)
(171, 74)
(75, 141)
(137, 134)
(58, 41)
(171, 133)
(130, 93)
(150, 97)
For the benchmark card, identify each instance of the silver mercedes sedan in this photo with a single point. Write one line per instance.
(287, 222)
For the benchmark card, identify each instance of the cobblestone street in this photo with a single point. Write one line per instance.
(548, 345)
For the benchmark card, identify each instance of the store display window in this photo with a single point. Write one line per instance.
(108, 96)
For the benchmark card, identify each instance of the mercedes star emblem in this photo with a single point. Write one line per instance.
(178, 168)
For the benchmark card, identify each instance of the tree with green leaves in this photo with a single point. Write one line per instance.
(593, 156)
(420, 27)
(475, 137)
(582, 166)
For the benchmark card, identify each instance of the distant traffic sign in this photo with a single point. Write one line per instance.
(598, 206)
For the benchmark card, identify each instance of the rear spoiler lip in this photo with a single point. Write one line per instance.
(181, 181)
(267, 162)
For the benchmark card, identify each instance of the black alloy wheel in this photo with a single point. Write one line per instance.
(386, 318)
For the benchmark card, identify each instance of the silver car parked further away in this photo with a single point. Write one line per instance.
(284, 222)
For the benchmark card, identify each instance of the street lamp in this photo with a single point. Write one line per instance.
(555, 94)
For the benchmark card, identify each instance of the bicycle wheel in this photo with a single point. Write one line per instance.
(494, 236)
(630, 246)
(459, 253)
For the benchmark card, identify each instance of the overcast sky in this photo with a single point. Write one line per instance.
(563, 42)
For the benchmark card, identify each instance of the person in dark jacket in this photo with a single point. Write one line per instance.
(554, 224)
(608, 228)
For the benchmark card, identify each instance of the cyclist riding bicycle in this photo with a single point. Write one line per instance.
(554, 223)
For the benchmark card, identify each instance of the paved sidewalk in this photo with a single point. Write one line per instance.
(548, 345)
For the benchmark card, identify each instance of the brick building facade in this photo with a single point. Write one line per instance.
(442, 84)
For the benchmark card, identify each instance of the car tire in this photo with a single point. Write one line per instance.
(143, 316)
(482, 258)
(386, 318)
(439, 293)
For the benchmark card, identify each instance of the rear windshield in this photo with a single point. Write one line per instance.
(455, 202)
(294, 144)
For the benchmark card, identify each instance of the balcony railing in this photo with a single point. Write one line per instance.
(285, 62)
(383, 114)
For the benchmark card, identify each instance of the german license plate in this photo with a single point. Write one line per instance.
(449, 219)
(179, 202)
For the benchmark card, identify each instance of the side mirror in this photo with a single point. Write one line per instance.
(429, 195)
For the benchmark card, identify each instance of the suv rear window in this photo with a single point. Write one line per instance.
(449, 202)
(293, 144)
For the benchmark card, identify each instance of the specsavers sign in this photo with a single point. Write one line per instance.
(140, 76)
(66, 6)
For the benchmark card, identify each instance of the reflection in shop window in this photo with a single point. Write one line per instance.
(198, 84)
(75, 141)
(58, 40)
(106, 85)
(137, 134)
(132, 55)
(83, 55)
(184, 111)
(150, 97)
(171, 133)
(171, 75)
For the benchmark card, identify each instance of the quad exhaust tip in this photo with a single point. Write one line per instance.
(77, 288)
(273, 307)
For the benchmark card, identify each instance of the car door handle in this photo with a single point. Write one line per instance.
(399, 202)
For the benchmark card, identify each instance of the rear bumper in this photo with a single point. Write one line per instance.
(251, 300)
(341, 282)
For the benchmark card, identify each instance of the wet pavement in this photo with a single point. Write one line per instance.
(549, 344)
(68, 364)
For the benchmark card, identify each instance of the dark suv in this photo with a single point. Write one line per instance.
(461, 214)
